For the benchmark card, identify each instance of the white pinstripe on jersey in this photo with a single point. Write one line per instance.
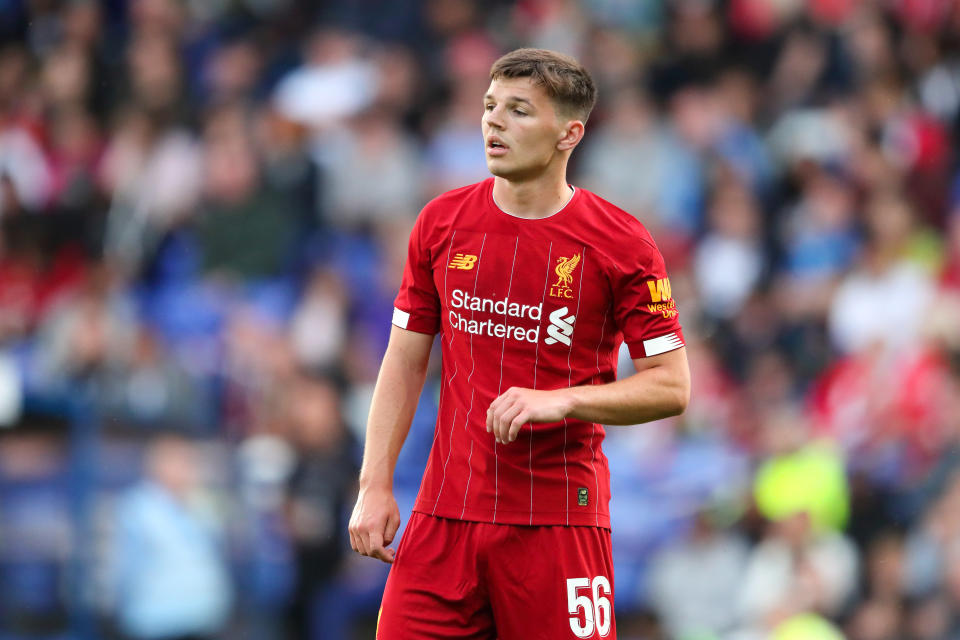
(467, 488)
(476, 278)
(503, 349)
(453, 421)
(436, 430)
(576, 314)
(593, 427)
(536, 360)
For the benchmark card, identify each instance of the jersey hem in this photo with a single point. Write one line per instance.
(540, 519)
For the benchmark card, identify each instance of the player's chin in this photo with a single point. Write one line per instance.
(496, 167)
(502, 169)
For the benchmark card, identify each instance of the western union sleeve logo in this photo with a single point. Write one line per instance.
(661, 298)
(660, 290)
(463, 261)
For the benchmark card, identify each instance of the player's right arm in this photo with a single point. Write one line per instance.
(376, 518)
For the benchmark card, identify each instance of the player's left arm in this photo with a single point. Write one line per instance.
(659, 389)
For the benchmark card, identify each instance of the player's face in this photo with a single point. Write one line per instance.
(521, 129)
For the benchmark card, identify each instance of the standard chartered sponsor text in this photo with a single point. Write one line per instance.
(489, 327)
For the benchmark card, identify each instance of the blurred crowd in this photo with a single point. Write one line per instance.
(204, 207)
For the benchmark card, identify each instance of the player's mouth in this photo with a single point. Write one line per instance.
(496, 147)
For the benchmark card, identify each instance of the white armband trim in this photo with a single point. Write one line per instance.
(656, 346)
(400, 318)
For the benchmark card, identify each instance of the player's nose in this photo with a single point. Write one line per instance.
(492, 118)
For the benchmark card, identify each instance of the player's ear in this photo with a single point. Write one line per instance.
(570, 135)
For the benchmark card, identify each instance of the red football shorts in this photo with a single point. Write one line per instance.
(456, 579)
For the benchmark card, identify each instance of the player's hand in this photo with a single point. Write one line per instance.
(517, 406)
(374, 523)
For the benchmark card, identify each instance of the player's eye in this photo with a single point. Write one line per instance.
(488, 107)
(520, 112)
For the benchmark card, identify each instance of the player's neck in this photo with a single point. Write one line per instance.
(532, 199)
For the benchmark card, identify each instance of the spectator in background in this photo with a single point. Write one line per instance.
(288, 167)
(373, 146)
(932, 541)
(452, 156)
(876, 620)
(861, 314)
(232, 72)
(881, 614)
(794, 570)
(155, 74)
(621, 157)
(802, 564)
(885, 567)
(819, 243)
(619, 63)
(729, 260)
(693, 584)
(318, 327)
(801, 475)
(153, 172)
(75, 155)
(65, 81)
(950, 276)
(258, 363)
(169, 571)
(26, 182)
(929, 618)
(246, 230)
(336, 81)
(87, 335)
(943, 546)
(319, 490)
(688, 133)
(152, 389)
(800, 69)
(738, 140)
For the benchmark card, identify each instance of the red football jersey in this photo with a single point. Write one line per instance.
(536, 303)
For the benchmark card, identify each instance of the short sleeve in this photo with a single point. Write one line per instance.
(643, 304)
(417, 306)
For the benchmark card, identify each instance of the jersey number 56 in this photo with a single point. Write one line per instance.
(595, 606)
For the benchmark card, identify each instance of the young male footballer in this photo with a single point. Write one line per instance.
(533, 284)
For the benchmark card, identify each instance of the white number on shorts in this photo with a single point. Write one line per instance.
(596, 606)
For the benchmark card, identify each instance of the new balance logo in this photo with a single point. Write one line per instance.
(560, 328)
(463, 261)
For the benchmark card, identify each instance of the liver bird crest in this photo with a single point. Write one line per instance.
(564, 270)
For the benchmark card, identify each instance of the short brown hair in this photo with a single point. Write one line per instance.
(565, 80)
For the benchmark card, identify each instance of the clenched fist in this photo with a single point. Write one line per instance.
(517, 406)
